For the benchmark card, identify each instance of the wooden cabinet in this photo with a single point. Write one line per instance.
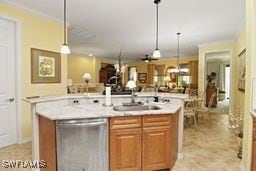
(143, 142)
(125, 149)
(137, 143)
(156, 148)
(253, 162)
(209, 93)
(103, 76)
(106, 73)
(47, 143)
(125, 122)
(174, 138)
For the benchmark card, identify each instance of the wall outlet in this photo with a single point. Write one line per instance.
(75, 101)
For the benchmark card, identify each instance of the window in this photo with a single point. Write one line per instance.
(132, 74)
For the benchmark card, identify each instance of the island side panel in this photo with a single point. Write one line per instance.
(35, 134)
(47, 143)
(180, 129)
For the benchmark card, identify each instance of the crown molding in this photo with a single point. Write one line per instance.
(216, 43)
(32, 11)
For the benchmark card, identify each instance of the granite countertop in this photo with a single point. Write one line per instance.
(99, 111)
(97, 95)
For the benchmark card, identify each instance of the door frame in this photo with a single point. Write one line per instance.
(231, 90)
(18, 73)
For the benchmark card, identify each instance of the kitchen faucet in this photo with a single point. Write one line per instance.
(131, 85)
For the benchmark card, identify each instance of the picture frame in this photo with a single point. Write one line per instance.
(241, 70)
(253, 97)
(142, 77)
(45, 66)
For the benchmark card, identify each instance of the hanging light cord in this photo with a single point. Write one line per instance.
(157, 26)
(178, 51)
(65, 24)
(157, 2)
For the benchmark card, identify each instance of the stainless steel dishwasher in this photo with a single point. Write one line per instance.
(82, 145)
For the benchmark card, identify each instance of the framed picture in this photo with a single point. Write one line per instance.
(253, 97)
(142, 77)
(242, 70)
(45, 66)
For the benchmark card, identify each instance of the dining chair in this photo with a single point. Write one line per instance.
(189, 113)
(206, 110)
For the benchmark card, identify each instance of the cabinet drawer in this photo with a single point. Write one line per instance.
(125, 122)
(157, 120)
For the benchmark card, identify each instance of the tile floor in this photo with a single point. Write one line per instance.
(208, 149)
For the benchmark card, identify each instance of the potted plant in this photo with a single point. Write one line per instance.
(236, 124)
(210, 78)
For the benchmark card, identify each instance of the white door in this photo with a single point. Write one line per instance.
(8, 123)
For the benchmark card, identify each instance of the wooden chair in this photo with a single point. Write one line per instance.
(206, 110)
(189, 113)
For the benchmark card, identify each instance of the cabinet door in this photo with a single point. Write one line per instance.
(125, 150)
(156, 148)
(253, 165)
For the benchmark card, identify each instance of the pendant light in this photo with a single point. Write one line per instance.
(178, 69)
(157, 53)
(65, 49)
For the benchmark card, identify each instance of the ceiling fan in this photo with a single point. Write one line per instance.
(147, 58)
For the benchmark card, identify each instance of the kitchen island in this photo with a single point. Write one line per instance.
(155, 135)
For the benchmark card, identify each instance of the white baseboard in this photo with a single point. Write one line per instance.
(180, 155)
(242, 167)
(25, 140)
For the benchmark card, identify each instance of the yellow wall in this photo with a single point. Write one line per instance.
(250, 72)
(78, 65)
(246, 39)
(239, 46)
(235, 47)
(142, 66)
(36, 32)
(203, 50)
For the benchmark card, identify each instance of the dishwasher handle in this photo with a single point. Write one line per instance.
(81, 124)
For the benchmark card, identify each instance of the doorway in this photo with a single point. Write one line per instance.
(8, 93)
(219, 64)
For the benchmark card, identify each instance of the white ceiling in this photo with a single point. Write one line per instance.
(110, 25)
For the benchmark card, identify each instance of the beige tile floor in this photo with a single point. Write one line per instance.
(208, 149)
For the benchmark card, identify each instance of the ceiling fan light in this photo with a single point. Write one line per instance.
(184, 70)
(146, 60)
(173, 70)
(157, 54)
(65, 49)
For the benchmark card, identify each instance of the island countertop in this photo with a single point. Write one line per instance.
(75, 106)
(67, 112)
(97, 95)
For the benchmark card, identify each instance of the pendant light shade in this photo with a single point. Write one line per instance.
(178, 69)
(157, 53)
(65, 49)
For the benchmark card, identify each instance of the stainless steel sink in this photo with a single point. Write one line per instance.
(136, 108)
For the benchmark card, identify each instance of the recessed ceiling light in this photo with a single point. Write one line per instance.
(90, 54)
